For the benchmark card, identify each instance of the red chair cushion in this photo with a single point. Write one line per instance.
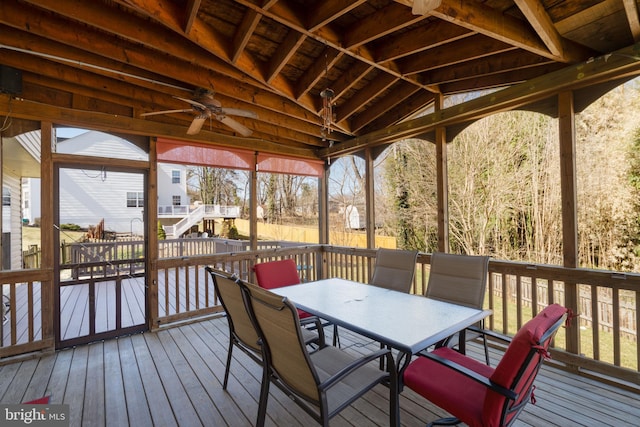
(449, 389)
(515, 357)
(276, 274)
(41, 401)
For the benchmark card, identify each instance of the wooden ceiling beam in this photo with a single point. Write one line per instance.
(385, 21)
(317, 70)
(412, 105)
(607, 67)
(281, 13)
(631, 9)
(190, 12)
(537, 16)
(508, 61)
(419, 40)
(211, 40)
(486, 20)
(143, 101)
(25, 109)
(401, 92)
(327, 11)
(287, 49)
(377, 86)
(131, 54)
(351, 77)
(243, 33)
(477, 46)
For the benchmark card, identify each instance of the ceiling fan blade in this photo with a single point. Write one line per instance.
(238, 127)
(196, 125)
(185, 110)
(238, 112)
(192, 102)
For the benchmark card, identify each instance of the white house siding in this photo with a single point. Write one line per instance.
(12, 220)
(167, 189)
(99, 144)
(88, 196)
(31, 206)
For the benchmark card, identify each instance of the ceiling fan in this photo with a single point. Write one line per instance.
(206, 106)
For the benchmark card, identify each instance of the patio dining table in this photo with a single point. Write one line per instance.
(405, 322)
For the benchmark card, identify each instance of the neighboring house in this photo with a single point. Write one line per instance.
(31, 201)
(88, 196)
(20, 159)
(172, 185)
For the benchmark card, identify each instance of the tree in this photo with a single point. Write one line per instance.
(214, 186)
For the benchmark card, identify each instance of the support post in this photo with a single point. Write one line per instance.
(567, 131)
(150, 219)
(370, 199)
(442, 182)
(48, 192)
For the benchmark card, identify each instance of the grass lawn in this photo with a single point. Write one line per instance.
(31, 236)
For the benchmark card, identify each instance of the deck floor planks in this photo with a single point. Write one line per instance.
(38, 385)
(174, 377)
(157, 398)
(114, 391)
(77, 384)
(205, 364)
(94, 396)
(138, 408)
(245, 376)
(189, 390)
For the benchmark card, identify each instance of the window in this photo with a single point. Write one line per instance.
(176, 200)
(175, 177)
(135, 199)
(6, 197)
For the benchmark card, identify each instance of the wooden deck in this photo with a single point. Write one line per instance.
(174, 378)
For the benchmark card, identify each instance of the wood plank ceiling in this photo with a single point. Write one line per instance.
(105, 63)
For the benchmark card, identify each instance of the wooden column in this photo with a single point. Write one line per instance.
(323, 221)
(48, 246)
(150, 218)
(442, 182)
(566, 123)
(323, 205)
(253, 205)
(370, 201)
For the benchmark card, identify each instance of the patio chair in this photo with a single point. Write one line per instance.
(460, 279)
(322, 383)
(284, 272)
(242, 333)
(394, 269)
(479, 395)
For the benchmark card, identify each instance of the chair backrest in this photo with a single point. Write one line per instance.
(460, 279)
(276, 274)
(232, 300)
(394, 269)
(520, 364)
(279, 327)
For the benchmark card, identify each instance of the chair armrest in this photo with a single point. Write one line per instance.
(490, 333)
(357, 363)
(317, 322)
(509, 394)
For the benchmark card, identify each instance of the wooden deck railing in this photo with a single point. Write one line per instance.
(602, 342)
